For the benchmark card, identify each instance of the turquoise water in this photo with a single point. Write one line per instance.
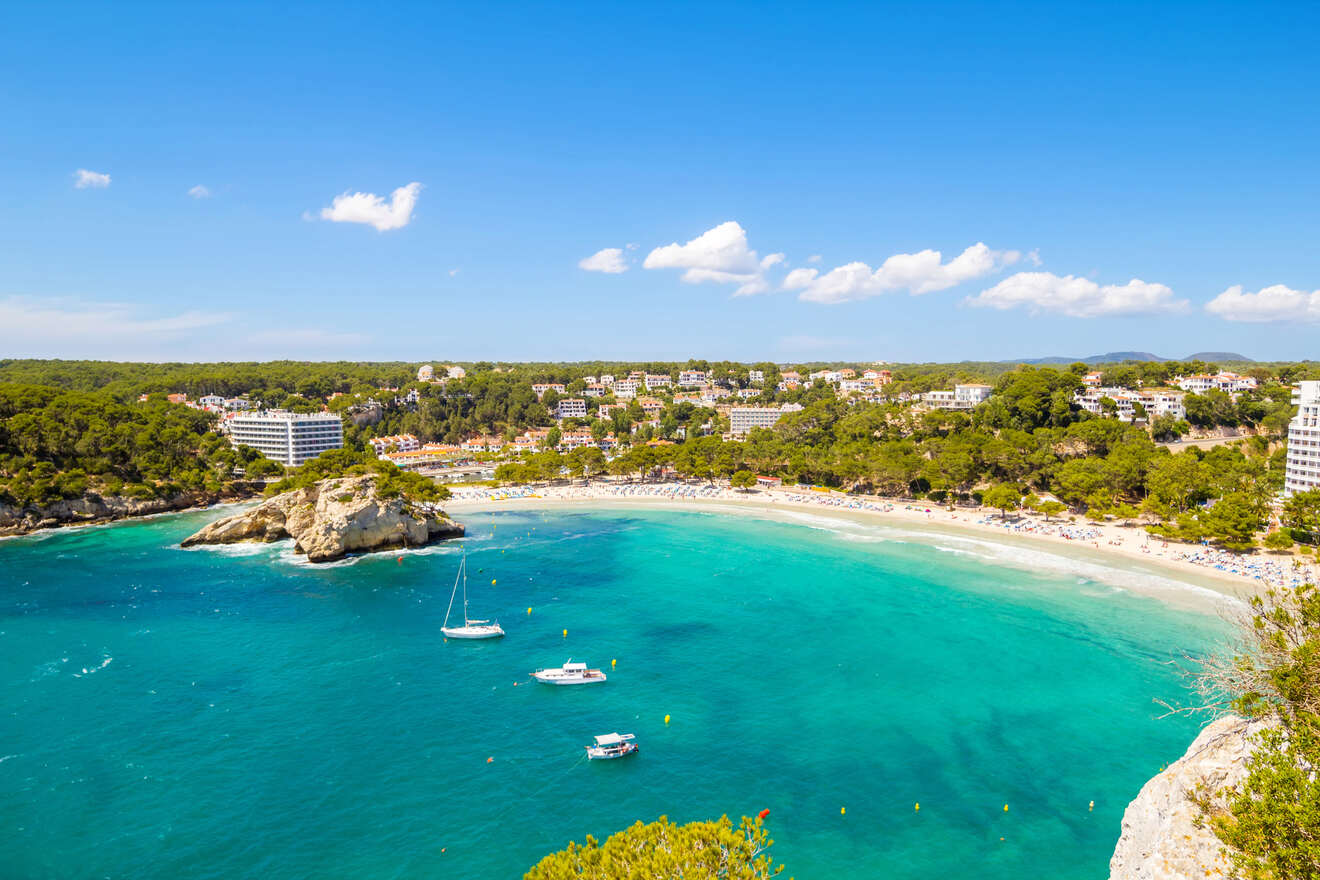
(230, 713)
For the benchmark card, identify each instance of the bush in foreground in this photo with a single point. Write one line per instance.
(662, 849)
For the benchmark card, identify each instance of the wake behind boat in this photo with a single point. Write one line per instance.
(569, 673)
(471, 629)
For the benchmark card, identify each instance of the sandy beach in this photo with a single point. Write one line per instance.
(1179, 573)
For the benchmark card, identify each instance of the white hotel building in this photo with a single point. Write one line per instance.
(289, 438)
(1302, 471)
(742, 419)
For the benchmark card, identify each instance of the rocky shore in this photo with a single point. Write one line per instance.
(1160, 839)
(92, 508)
(331, 519)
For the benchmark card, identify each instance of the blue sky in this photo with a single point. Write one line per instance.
(1113, 169)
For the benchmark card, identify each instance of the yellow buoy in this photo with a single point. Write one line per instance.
(666, 719)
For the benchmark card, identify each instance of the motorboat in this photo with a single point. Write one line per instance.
(471, 629)
(569, 673)
(612, 745)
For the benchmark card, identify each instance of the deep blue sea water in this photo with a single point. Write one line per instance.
(226, 713)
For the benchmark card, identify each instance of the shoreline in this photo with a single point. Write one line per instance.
(1219, 578)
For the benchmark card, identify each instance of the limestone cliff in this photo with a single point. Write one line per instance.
(94, 508)
(1160, 840)
(332, 518)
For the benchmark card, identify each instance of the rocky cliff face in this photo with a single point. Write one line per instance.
(331, 519)
(93, 508)
(1160, 840)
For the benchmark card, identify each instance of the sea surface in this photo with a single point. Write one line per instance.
(233, 712)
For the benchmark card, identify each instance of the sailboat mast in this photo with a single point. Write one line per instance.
(461, 570)
(465, 614)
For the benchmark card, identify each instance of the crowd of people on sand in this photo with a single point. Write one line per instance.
(1270, 572)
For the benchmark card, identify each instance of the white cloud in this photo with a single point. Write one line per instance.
(718, 255)
(84, 179)
(607, 260)
(199, 192)
(722, 249)
(1078, 297)
(373, 210)
(922, 272)
(70, 327)
(1274, 303)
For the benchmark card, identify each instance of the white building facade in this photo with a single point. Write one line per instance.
(289, 438)
(742, 419)
(1302, 472)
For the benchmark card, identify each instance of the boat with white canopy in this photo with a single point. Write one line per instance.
(612, 745)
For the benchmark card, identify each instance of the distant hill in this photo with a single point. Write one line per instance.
(1117, 357)
(1218, 356)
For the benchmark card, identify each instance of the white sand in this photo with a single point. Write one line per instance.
(1124, 555)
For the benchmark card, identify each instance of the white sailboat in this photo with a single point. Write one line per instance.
(471, 629)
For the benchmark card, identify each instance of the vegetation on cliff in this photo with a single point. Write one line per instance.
(1270, 819)
(390, 481)
(665, 849)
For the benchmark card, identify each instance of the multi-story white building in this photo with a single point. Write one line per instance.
(626, 388)
(1231, 383)
(398, 442)
(972, 394)
(1302, 471)
(572, 408)
(691, 378)
(289, 438)
(542, 387)
(742, 419)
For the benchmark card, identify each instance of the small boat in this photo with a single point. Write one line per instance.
(471, 629)
(569, 673)
(612, 745)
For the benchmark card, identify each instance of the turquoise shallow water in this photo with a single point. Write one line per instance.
(230, 713)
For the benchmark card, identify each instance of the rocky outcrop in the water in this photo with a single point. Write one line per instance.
(331, 519)
(1160, 840)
